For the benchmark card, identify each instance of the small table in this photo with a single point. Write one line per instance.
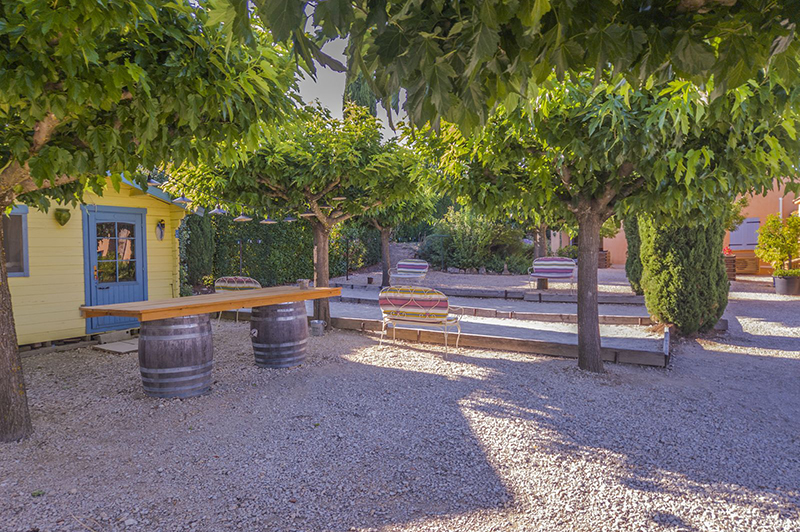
(175, 343)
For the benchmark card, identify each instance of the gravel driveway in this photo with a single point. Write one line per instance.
(402, 438)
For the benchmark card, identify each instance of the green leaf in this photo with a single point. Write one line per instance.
(692, 57)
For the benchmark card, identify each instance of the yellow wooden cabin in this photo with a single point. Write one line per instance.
(115, 248)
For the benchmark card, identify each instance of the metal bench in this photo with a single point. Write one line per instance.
(408, 271)
(553, 268)
(234, 284)
(414, 305)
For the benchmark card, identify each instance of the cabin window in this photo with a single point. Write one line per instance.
(15, 241)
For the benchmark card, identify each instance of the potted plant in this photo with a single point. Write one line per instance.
(779, 244)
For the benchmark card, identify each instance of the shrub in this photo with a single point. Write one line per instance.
(778, 241)
(780, 272)
(570, 251)
(519, 263)
(633, 263)
(683, 275)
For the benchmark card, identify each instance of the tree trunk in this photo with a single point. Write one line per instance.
(385, 254)
(540, 241)
(589, 354)
(322, 307)
(15, 419)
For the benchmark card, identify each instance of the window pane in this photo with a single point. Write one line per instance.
(127, 270)
(107, 271)
(12, 244)
(126, 249)
(125, 230)
(106, 229)
(107, 248)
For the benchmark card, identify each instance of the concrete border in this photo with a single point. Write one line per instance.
(519, 345)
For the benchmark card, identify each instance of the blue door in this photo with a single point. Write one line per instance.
(116, 262)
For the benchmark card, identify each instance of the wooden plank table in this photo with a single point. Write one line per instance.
(175, 343)
(209, 303)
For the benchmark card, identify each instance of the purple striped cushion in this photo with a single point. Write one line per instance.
(412, 266)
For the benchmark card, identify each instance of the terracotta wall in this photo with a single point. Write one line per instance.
(760, 207)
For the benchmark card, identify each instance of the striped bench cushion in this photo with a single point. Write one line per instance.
(554, 268)
(414, 305)
(235, 283)
(412, 267)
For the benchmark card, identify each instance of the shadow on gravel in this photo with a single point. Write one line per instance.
(736, 335)
(675, 433)
(788, 310)
(390, 437)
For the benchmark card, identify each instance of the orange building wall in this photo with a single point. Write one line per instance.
(759, 207)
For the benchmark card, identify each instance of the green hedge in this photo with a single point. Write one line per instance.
(683, 275)
(272, 254)
(633, 263)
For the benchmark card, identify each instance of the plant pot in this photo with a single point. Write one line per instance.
(787, 286)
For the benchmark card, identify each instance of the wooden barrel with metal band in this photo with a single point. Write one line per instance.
(279, 334)
(176, 356)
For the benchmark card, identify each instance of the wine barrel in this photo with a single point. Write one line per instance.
(279, 334)
(176, 356)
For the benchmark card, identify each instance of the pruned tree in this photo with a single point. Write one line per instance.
(415, 205)
(589, 151)
(90, 90)
(333, 169)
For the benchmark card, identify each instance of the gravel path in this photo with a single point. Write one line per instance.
(404, 439)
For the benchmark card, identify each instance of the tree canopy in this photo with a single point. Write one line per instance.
(458, 60)
(88, 90)
(588, 151)
(335, 169)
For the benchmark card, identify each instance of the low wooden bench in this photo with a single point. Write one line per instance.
(175, 344)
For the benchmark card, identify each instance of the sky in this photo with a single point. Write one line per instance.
(328, 88)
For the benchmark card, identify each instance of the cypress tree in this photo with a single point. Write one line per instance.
(683, 274)
(633, 263)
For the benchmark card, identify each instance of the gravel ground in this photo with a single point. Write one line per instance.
(405, 439)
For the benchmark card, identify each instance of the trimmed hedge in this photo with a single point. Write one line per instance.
(633, 264)
(272, 254)
(683, 276)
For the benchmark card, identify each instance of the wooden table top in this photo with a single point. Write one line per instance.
(204, 304)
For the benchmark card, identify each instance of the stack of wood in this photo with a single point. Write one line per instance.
(604, 260)
(730, 266)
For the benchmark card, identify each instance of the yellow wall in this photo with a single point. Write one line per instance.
(46, 303)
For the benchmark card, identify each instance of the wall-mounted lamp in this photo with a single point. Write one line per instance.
(161, 227)
(62, 216)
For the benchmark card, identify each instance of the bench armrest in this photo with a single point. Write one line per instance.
(457, 311)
